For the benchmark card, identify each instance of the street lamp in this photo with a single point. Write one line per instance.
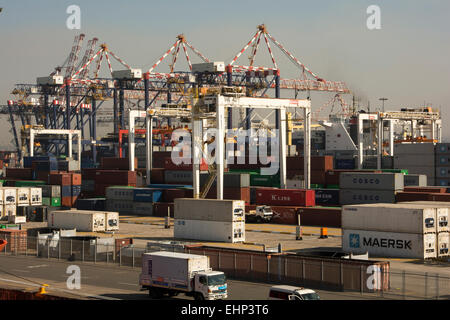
(383, 99)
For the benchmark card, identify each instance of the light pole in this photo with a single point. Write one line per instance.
(383, 99)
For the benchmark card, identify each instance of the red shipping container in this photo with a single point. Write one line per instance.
(1, 164)
(169, 165)
(317, 177)
(159, 158)
(66, 201)
(76, 179)
(88, 174)
(170, 194)
(318, 163)
(160, 209)
(19, 173)
(231, 194)
(444, 197)
(62, 179)
(157, 175)
(115, 177)
(284, 215)
(117, 163)
(43, 175)
(320, 217)
(285, 197)
(426, 189)
(411, 196)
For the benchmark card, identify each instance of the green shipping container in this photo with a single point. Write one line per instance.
(45, 201)
(404, 171)
(56, 202)
(257, 180)
(332, 186)
(28, 183)
(317, 186)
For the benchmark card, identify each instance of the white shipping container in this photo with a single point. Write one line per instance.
(82, 220)
(395, 217)
(9, 210)
(23, 196)
(209, 209)
(209, 230)
(112, 221)
(443, 244)
(9, 195)
(2, 211)
(389, 244)
(1, 196)
(442, 213)
(172, 267)
(36, 196)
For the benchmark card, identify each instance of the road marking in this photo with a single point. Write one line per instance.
(128, 284)
(38, 266)
(19, 270)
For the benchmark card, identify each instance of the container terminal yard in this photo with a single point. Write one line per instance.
(219, 180)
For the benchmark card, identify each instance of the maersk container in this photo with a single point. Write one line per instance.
(349, 196)
(120, 193)
(209, 209)
(443, 244)
(390, 244)
(147, 195)
(371, 181)
(398, 217)
(86, 221)
(443, 148)
(23, 196)
(415, 180)
(209, 230)
(442, 213)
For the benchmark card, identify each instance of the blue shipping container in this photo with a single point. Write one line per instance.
(28, 161)
(76, 190)
(66, 191)
(168, 186)
(147, 195)
(345, 164)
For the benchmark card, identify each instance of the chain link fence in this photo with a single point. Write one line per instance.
(250, 266)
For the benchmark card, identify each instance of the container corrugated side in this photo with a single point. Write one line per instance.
(209, 230)
(371, 181)
(86, 221)
(209, 209)
(397, 217)
(389, 244)
(442, 213)
(350, 196)
(443, 244)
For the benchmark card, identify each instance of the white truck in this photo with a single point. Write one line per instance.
(173, 273)
(260, 214)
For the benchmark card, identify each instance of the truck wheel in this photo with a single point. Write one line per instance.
(173, 293)
(258, 219)
(199, 296)
(154, 293)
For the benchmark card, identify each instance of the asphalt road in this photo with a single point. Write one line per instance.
(113, 282)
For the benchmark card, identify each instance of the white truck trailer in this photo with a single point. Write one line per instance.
(173, 273)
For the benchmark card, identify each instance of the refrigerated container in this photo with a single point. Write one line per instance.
(398, 217)
(9, 210)
(419, 180)
(443, 244)
(112, 220)
(442, 213)
(209, 209)
(9, 195)
(23, 196)
(371, 181)
(209, 230)
(389, 244)
(87, 221)
(35, 196)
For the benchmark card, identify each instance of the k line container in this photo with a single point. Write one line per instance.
(285, 197)
(371, 181)
(419, 180)
(86, 221)
(209, 209)
(348, 196)
(398, 217)
(209, 230)
(390, 244)
(443, 244)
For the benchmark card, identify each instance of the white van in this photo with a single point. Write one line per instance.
(284, 292)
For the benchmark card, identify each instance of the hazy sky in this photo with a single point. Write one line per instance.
(406, 61)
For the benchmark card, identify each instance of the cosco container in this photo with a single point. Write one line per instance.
(285, 197)
(87, 221)
(389, 244)
(178, 176)
(209, 230)
(349, 196)
(443, 244)
(398, 217)
(415, 180)
(371, 181)
(209, 209)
